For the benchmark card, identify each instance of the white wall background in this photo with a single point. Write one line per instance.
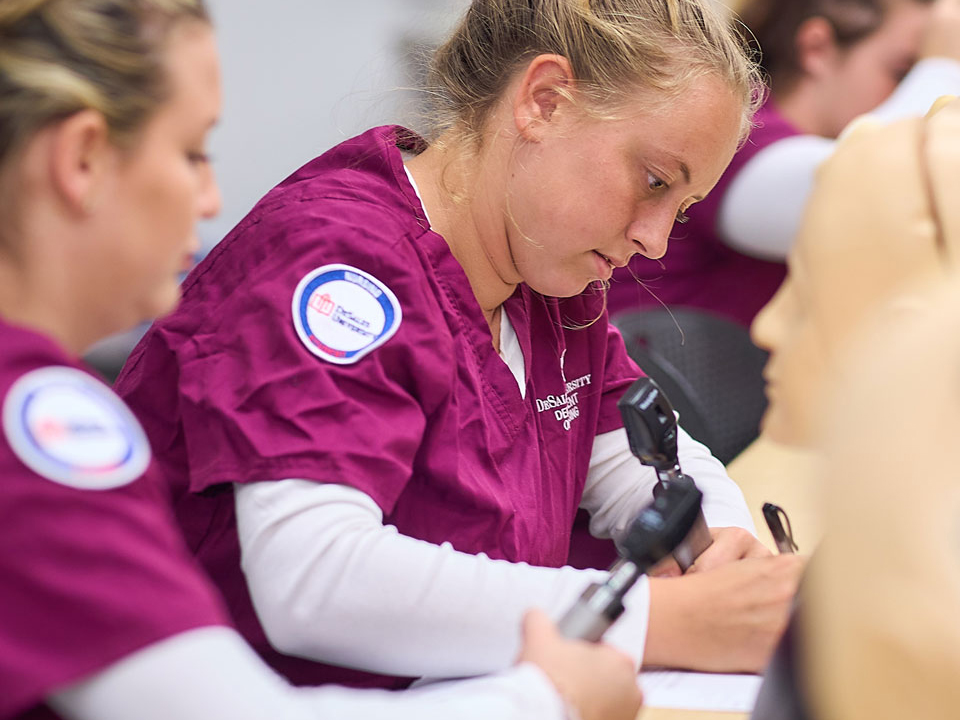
(299, 76)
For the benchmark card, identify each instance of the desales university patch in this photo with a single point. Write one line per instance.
(68, 427)
(341, 313)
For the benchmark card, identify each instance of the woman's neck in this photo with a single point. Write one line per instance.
(472, 223)
(801, 107)
(43, 296)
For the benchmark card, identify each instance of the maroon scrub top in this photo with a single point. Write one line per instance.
(92, 565)
(699, 269)
(428, 421)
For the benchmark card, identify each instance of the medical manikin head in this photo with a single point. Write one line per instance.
(881, 221)
(865, 367)
(882, 639)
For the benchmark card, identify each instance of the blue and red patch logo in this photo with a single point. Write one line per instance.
(67, 427)
(341, 313)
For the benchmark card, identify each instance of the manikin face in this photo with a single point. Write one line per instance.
(593, 192)
(892, 520)
(862, 76)
(867, 241)
(161, 186)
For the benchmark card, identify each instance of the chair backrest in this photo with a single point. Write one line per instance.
(709, 369)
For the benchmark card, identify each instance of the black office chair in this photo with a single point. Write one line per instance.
(707, 366)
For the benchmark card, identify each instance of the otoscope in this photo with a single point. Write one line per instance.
(653, 535)
(652, 432)
(657, 530)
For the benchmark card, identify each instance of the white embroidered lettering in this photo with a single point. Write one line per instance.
(565, 407)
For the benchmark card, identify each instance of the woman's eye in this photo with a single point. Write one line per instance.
(198, 158)
(655, 183)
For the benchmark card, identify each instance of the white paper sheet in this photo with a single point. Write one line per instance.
(683, 690)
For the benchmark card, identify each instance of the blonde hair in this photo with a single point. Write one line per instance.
(615, 48)
(58, 57)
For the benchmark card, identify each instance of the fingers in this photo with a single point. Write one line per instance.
(757, 550)
(667, 567)
(596, 680)
(729, 544)
(724, 620)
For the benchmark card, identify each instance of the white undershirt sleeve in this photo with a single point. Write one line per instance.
(331, 582)
(618, 486)
(212, 673)
(761, 210)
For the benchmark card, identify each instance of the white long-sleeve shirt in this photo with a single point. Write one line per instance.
(212, 673)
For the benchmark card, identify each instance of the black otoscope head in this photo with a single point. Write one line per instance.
(651, 425)
(652, 432)
(662, 525)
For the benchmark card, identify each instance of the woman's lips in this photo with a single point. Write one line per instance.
(604, 266)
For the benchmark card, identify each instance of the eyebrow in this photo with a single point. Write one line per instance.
(685, 171)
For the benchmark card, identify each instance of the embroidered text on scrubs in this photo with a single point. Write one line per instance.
(565, 407)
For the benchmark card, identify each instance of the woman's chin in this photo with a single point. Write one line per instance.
(564, 287)
(780, 428)
(162, 302)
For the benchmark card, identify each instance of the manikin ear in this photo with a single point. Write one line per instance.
(80, 154)
(816, 46)
(537, 98)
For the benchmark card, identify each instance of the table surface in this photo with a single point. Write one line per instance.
(664, 714)
(767, 472)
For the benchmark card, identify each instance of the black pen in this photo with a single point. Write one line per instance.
(781, 536)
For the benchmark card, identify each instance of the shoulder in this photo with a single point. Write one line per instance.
(356, 191)
(770, 126)
(351, 206)
(61, 423)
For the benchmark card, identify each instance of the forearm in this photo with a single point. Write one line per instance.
(330, 582)
(212, 673)
(618, 486)
(520, 693)
(926, 81)
(723, 501)
(763, 206)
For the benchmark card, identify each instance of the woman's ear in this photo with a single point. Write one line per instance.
(80, 152)
(816, 46)
(540, 92)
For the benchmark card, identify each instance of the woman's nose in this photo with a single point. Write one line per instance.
(210, 199)
(652, 234)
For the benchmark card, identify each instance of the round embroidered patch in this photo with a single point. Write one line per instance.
(69, 428)
(342, 313)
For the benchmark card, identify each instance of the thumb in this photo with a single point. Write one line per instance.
(538, 628)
